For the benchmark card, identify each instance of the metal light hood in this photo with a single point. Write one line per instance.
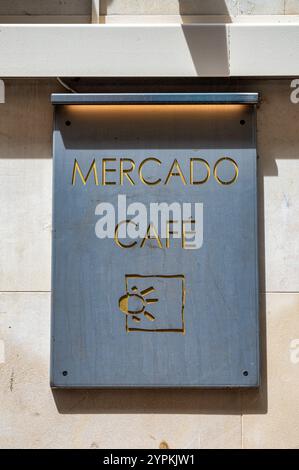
(154, 98)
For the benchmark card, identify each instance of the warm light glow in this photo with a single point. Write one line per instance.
(154, 107)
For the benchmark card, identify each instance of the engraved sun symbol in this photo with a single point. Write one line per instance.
(135, 303)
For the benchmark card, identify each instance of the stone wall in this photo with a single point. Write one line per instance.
(32, 8)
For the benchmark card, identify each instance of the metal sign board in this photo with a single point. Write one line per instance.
(154, 273)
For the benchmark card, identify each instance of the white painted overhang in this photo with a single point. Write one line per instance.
(150, 50)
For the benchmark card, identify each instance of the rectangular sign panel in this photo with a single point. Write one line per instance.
(154, 275)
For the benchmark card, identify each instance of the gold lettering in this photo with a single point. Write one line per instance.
(148, 236)
(76, 168)
(126, 171)
(177, 173)
(206, 178)
(220, 181)
(106, 170)
(116, 239)
(127, 167)
(144, 181)
(170, 232)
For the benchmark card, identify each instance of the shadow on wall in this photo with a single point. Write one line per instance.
(208, 46)
(204, 7)
(184, 7)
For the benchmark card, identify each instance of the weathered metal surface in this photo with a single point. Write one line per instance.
(205, 327)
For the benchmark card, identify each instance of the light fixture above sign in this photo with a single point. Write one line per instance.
(155, 260)
(154, 98)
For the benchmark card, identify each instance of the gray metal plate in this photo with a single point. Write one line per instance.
(206, 328)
